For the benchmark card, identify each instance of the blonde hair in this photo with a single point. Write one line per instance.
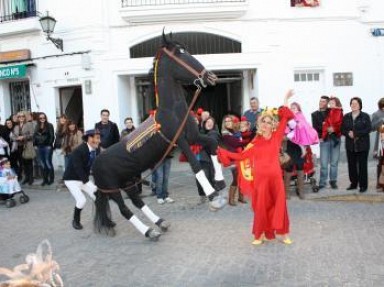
(235, 126)
(266, 114)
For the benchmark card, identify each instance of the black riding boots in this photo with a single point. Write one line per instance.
(76, 219)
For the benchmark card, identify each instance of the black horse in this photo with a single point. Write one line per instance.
(114, 168)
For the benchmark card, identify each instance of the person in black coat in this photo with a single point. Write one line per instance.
(76, 176)
(356, 127)
(109, 132)
(43, 139)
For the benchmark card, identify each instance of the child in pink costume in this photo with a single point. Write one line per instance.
(299, 131)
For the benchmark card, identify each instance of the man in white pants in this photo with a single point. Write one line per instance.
(76, 176)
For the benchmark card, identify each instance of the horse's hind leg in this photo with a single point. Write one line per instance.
(137, 223)
(102, 219)
(139, 203)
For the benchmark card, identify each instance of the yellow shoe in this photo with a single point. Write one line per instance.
(257, 242)
(287, 241)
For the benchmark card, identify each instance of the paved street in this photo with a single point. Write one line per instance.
(336, 243)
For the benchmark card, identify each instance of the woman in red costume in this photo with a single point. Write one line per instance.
(261, 176)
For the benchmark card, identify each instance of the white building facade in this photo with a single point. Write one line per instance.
(258, 48)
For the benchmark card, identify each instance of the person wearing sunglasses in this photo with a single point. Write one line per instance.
(43, 139)
(24, 136)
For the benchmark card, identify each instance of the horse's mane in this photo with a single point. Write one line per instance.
(170, 44)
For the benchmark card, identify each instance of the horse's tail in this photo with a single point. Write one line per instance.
(102, 216)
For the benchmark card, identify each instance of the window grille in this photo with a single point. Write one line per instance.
(20, 96)
(342, 79)
(306, 77)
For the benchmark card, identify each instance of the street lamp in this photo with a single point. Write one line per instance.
(48, 25)
(377, 32)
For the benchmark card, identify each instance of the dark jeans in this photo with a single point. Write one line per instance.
(45, 157)
(358, 168)
(19, 162)
(28, 170)
(14, 161)
(66, 161)
(162, 177)
(329, 161)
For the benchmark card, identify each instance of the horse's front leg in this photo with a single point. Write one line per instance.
(216, 200)
(211, 146)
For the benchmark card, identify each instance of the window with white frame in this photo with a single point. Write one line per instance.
(307, 76)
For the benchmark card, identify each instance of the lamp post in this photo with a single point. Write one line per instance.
(377, 32)
(48, 25)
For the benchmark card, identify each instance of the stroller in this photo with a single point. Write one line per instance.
(309, 170)
(9, 186)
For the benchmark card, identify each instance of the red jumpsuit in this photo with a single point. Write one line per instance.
(266, 188)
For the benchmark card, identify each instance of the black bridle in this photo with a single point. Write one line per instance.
(199, 81)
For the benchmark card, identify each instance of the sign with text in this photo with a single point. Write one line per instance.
(11, 72)
(15, 55)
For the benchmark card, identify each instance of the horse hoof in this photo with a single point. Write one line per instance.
(164, 225)
(153, 235)
(219, 185)
(111, 232)
(110, 224)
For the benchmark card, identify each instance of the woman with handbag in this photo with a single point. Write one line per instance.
(43, 139)
(25, 150)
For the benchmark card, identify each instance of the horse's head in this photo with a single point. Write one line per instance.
(183, 66)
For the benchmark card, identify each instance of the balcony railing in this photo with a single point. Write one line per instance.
(11, 10)
(144, 11)
(134, 3)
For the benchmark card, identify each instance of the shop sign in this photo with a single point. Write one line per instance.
(9, 72)
(15, 55)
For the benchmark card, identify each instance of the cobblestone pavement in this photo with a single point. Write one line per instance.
(335, 243)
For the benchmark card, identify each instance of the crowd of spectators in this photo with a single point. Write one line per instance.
(24, 129)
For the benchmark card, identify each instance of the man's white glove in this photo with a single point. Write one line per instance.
(91, 186)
